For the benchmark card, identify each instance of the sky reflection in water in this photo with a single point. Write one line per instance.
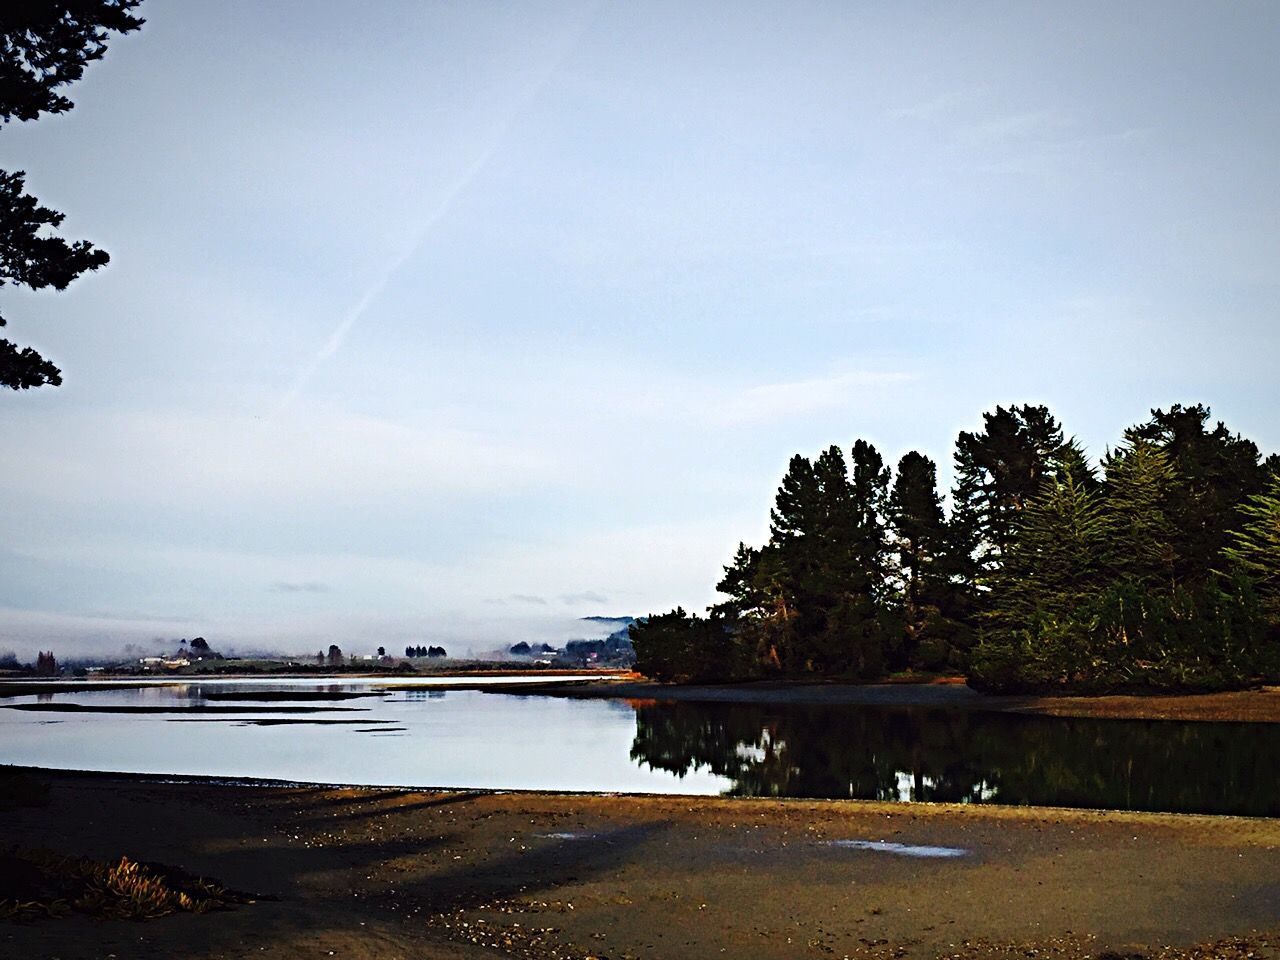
(428, 736)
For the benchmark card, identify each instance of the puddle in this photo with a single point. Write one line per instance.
(901, 849)
(567, 836)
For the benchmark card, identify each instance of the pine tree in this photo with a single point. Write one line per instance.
(43, 47)
(998, 471)
(1140, 481)
(1056, 562)
(869, 499)
(1255, 547)
(855, 626)
(920, 540)
(795, 524)
(1033, 635)
(1216, 471)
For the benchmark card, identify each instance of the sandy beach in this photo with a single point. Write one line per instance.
(422, 874)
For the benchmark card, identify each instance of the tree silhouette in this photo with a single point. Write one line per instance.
(43, 47)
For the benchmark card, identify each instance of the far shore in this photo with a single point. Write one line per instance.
(1242, 706)
(21, 685)
(1260, 705)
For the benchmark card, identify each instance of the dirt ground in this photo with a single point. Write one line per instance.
(399, 874)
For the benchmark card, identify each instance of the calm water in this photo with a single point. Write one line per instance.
(389, 734)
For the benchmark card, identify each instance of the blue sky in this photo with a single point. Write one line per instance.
(461, 320)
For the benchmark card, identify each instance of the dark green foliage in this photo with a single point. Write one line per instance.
(1215, 470)
(814, 597)
(682, 646)
(43, 47)
(1127, 637)
(1255, 547)
(997, 472)
(1163, 572)
(1140, 533)
(933, 607)
(1121, 588)
(1055, 560)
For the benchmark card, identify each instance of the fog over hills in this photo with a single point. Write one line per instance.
(25, 633)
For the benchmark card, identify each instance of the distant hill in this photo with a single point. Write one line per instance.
(614, 648)
(612, 626)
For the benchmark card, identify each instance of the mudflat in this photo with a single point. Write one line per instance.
(420, 874)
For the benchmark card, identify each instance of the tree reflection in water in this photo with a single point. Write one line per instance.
(962, 756)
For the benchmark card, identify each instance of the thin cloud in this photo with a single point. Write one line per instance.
(527, 93)
(308, 586)
(780, 401)
(587, 596)
(934, 107)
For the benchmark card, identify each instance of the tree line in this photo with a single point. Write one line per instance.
(1158, 567)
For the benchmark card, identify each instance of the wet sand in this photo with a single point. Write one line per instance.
(1248, 706)
(422, 874)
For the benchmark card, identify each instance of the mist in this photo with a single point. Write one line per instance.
(25, 633)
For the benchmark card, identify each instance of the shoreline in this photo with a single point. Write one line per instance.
(1238, 706)
(1259, 705)
(380, 873)
(888, 807)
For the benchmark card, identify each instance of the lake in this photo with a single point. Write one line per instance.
(393, 732)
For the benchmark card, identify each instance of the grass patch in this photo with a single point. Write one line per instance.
(36, 884)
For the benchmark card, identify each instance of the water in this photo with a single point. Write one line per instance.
(397, 733)
(901, 849)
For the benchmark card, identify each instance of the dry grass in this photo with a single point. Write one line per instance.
(39, 883)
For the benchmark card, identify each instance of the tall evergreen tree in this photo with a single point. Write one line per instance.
(1140, 534)
(1057, 559)
(796, 522)
(998, 471)
(1216, 471)
(858, 626)
(1255, 547)
(919, 531)
(759, 611)
(869, 501)
(917, 521)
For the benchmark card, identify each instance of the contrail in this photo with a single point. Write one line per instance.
(415, 239)
(393, 266)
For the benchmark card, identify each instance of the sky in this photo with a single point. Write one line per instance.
(457, 322)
